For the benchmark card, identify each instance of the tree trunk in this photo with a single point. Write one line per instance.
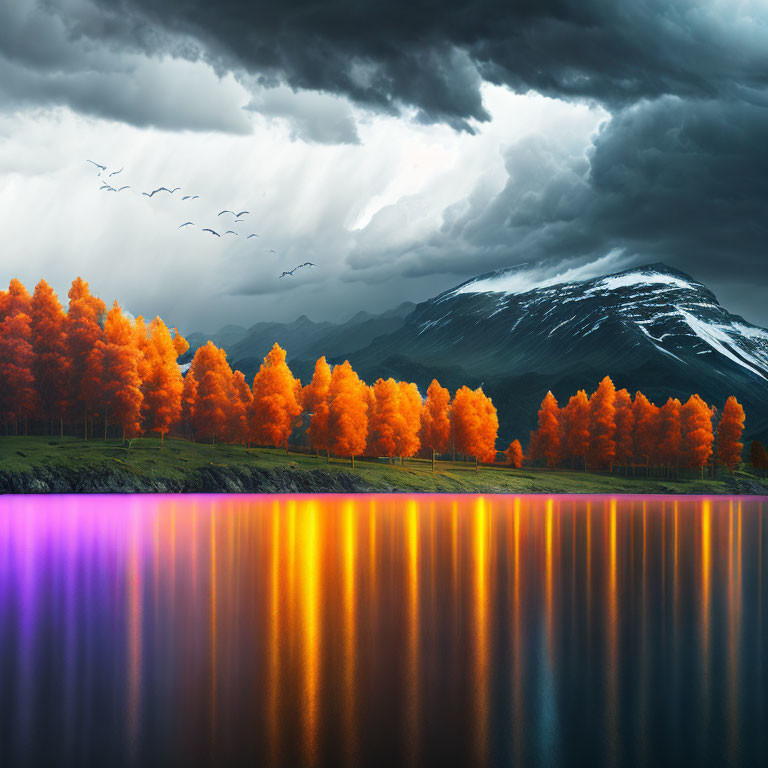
(85, 424)
(477, 468)
(162, 438)
(123, 434)
(105, 425)
(286, 446)
(61, 425)
(328, 455)
(353, 462)
(433, 460)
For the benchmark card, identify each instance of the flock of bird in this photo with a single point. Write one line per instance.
(106, 186)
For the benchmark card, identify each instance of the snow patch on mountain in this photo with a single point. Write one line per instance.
(717, 338)
(525, 278)
(639, 279)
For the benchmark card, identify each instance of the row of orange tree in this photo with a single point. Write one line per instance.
(343, 415)
(85, 364)
(87, 367)
(610, 427)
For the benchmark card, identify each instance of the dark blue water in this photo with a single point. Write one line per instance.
(382, 630)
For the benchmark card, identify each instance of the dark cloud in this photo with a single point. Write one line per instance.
(42, 65)
(314, 117)
(432, 56)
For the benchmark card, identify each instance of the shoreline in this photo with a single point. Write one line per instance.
(42, 465)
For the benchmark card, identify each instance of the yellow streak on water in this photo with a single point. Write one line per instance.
(612, 701)
(350, 623)
(213, 620)
(309, 545)
(548, 571)
(480, 546)
(517, 668)
(412, 679)
(273, 674)
(706, 556)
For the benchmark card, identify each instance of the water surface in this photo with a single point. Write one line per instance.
(382, 630)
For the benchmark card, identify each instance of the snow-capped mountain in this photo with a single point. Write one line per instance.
(651, 328)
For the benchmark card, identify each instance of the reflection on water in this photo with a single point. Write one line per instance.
(382, 630)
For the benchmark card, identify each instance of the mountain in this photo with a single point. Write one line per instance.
(651, 328)
(303, 339)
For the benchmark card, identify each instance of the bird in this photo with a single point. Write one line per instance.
(222, 212)
(238, 221)
(242, 213)
(299, 266)
(186, 224)
(230, 232)
(272, 251)
(206, 229)
(175, 189)
(155, 191)
(190, 197)
(252, 235)
(108, 187)
(114, 173)
(127, 186)
(98, 165)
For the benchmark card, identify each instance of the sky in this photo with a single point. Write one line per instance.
(401, 148)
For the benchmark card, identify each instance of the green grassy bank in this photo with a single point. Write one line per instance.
(50, 465)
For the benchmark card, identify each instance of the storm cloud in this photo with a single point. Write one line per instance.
(433, 57)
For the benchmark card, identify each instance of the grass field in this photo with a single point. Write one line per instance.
(178, 460)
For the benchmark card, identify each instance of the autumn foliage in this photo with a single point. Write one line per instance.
(546, 441)
(634, 432)
(347, 412)
(435, 431)
(315, 399)
(514, 454)
(50, 366)
(576, 424)
(276, 402)
(729, 430)
(475, 424)
(602, 425)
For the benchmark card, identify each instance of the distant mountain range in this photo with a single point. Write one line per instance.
(304, 339)
(651, 328)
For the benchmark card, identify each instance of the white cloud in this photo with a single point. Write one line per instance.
(357, 210)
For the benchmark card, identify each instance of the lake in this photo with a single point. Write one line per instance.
(383, 630)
